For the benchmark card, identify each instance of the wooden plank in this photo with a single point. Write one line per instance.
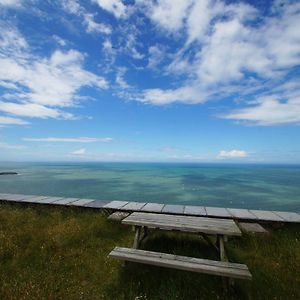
(96, 204)
(153, 207)
(195, 210)
(217, 212)
(65, 201)
(34, 199)
(226, 269)
(48, 200)
(241, 214)
(135, 206)
(173, 209)
(118, 216)
(183, 223)
(252, 228)
(288, 216)
(264, 215)
(81, 202)
(15, 197)
(115, 204)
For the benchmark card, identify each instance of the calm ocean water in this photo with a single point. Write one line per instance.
(241, 186)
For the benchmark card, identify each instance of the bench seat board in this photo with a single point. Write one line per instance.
(224, 269)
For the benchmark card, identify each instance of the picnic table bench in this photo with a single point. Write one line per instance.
(221, 228)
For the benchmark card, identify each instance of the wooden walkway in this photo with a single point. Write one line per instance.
(217, 212)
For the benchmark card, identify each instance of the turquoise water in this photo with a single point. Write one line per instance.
(241, 186)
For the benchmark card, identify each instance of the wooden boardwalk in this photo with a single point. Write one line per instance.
(216, 212)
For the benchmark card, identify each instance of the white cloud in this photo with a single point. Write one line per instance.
(12, 121)
(10, 2)
(37, 86)
(169, 14)
(156, 55)
(93, 26)
(79, 152)
(232, 154)
(74, 7)
(269, 111)
(11, 147)
(223, 54)
(121, 82)
(69, 140)
(116, 7)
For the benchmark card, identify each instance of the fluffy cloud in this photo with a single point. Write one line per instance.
(231, 50)
(11, 147)
(12, 121)
(73, 7)
(232, 154)
(116, 7)
(38, 86)
(79, 152)
(69, 140)
(10, 2)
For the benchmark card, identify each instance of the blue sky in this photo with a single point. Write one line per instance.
(165, 80)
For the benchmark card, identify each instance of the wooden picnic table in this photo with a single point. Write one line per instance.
(221, 228)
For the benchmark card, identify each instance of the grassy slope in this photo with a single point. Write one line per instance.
(61, 253)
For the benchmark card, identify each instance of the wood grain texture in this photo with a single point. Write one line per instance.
(183, 223)
(217, 212)
(288, 216)
(212, 267)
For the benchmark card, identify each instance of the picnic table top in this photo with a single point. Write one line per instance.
(184, 223)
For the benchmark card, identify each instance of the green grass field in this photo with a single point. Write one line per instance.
(61, 253)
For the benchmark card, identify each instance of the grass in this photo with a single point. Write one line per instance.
(61, 253)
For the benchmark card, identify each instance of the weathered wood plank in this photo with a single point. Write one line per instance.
(47, 200)
(195, 210)
(192, 264)
(15, 197)
(153, 207)
(241, 214)
(252, 228)
(264, 215)
(96, 204)
(65, 201)
(217, 212)
(183, 223)
(118, 216)
(288, 216)
(173, 209)
(135, 206)
(115, 204)
(81, 202)
(34, 199)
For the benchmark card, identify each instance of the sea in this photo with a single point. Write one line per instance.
(269, 187)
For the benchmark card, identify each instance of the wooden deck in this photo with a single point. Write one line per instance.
(204, 211)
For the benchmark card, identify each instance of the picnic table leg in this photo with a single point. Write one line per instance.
(136, 242)
(223, 257)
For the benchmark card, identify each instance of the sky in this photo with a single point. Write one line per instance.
(164, 80)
